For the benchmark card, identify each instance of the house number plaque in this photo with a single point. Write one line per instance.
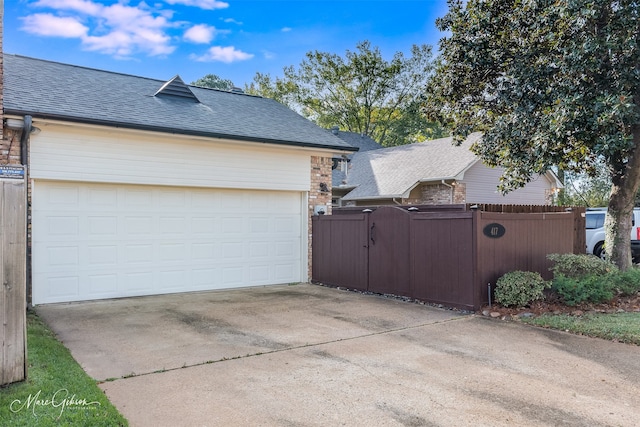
(494, 230)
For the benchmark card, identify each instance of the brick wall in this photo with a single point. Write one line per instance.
(320, 174)
(438, 194)
(459, 193)
(10, 147)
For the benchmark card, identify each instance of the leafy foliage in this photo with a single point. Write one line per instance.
(582, 189)
(360, 92)
(576, 266)
(519, 288)
(213, 81)
(587, 278)
(595, 289)
(627, 282)
(550, 83)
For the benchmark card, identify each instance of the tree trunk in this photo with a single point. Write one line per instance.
(620, 213)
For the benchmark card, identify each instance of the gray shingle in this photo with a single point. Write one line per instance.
(391, 172)
(45, 89)
(356, 140)
(362, 142)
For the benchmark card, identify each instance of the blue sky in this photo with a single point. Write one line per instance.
(233, 38)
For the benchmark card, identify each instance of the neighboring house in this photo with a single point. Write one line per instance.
(432, 172)
(340, 168)
(140, 186)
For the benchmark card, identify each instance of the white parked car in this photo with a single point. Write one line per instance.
(595, 232)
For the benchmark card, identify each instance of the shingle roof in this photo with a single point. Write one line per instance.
(356, 140)
(45, 89)
(393, 172)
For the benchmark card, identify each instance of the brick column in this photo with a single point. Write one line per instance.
(460, 193)
(320, 174)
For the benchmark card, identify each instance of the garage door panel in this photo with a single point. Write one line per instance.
(93, 241)
(102, 284)
(62, 196)
(137, 283)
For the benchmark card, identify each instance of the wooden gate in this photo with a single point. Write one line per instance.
(388, 252)
(340, 255)
(443, 259)
(13, 280)
(391, 250)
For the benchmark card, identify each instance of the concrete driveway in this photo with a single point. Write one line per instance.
(307, 355)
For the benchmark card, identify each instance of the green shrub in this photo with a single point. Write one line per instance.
(626, 282)
(519, 288)
(595, 289)
(577, 266)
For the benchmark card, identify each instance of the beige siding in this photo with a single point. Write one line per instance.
(92, 154)
(481, 183)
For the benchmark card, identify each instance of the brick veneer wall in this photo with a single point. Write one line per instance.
(438, 194)
(10, 147)
(320, 173)
(459, 193)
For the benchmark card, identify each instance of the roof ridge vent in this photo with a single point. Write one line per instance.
(176, 87)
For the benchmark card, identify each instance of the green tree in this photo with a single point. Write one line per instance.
(213, 81)
(266, 86)
(360, 92)
(549, 83)
(582, 189)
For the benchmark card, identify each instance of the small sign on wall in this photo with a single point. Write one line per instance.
(11, 172)
(494, 230)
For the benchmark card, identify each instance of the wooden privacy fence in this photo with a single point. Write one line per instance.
(13, 280)
(441, 254)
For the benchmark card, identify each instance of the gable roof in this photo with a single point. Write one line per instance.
(52, 90)
(394, 172)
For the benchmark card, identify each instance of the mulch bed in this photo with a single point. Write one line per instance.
(552, 305)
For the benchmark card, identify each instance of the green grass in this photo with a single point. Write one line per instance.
(621, 327)
(57, 392)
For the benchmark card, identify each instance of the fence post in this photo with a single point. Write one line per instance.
(13, 354)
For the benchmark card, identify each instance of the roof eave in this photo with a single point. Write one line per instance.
(437, 179)
(178, 131)
(391, 196)
(553, 179)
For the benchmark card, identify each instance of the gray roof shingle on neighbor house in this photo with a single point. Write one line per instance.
(360, 141)
(52, 90)
(393, 172)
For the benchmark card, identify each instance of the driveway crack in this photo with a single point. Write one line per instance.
(280, 350)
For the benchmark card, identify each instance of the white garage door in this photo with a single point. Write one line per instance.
(93, 241)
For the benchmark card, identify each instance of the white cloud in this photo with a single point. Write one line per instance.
(202, 4)
(268, 54)
(226, 54)
(82, 6)
(232, 21)
(286, 29)
(201, 33)
(117, 29)
(45, 24)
